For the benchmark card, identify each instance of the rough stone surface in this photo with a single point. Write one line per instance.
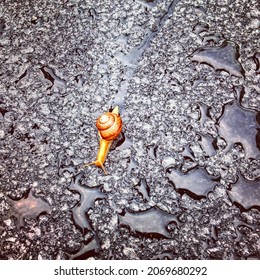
(177, 70)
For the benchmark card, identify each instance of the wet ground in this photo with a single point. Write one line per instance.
(184, 174)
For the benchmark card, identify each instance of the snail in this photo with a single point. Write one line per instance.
(109, 126)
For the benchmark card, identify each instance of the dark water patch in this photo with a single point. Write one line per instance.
(148, 3)
(165, 255)
(200, 27)
(256, 59)
(208, 128)
(80, 80)
(90, 249)
(196, 181)
(132, 165)
(246, 193)
(49, 74)
(187, 153)
(93, 13)
(239, 93)
(207, 145)
(212, 38)
(88, 196)
(21, 77)
(27, 207)
(2, 26)
(150, 223)
(204, 112)
(239, 125)
(144, 189)
(224, 57)
(152, 151)
(3, 111)
(48, 77)
(190, 194)
(122, 142)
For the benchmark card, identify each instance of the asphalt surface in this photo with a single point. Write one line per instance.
(183, 177)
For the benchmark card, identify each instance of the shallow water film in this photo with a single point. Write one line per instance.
(183, 177)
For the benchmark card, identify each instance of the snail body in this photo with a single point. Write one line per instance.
(109, 126)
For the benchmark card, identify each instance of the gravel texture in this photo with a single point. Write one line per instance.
(183, 177)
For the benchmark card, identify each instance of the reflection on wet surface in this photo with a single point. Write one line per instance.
(196, 181)
(144, 189)
(200, 27)
(256, 58)
(88, 196)
(177, 154)
(246, 193)
(238, 125)
(150, 223)
(50, 75)
(89, 249)
(28, 207)
(224, 57)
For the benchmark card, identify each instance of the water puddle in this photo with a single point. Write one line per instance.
(80, 80)
(207, 145)
(2, 26)
(256, 59)
(236, 125)
(151, 223)
(23, 75)
(200, 28)
(87, 250)
(224, 57)
(148, 3)
(88, 196)
(246, 193)
(3, 111)
(239, 125)
(152, 151)
(195, 181)
(122, 142)
(132, 165)
(49, 74)
(143, 189)
(212, 38)
(27, 207)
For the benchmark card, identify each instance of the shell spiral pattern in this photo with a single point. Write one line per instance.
(109, 126)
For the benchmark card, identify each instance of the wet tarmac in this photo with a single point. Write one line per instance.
(183, 176)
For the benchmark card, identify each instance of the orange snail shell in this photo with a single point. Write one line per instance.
(109, 126)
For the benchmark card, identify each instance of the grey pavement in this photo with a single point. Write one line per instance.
(183, 177)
